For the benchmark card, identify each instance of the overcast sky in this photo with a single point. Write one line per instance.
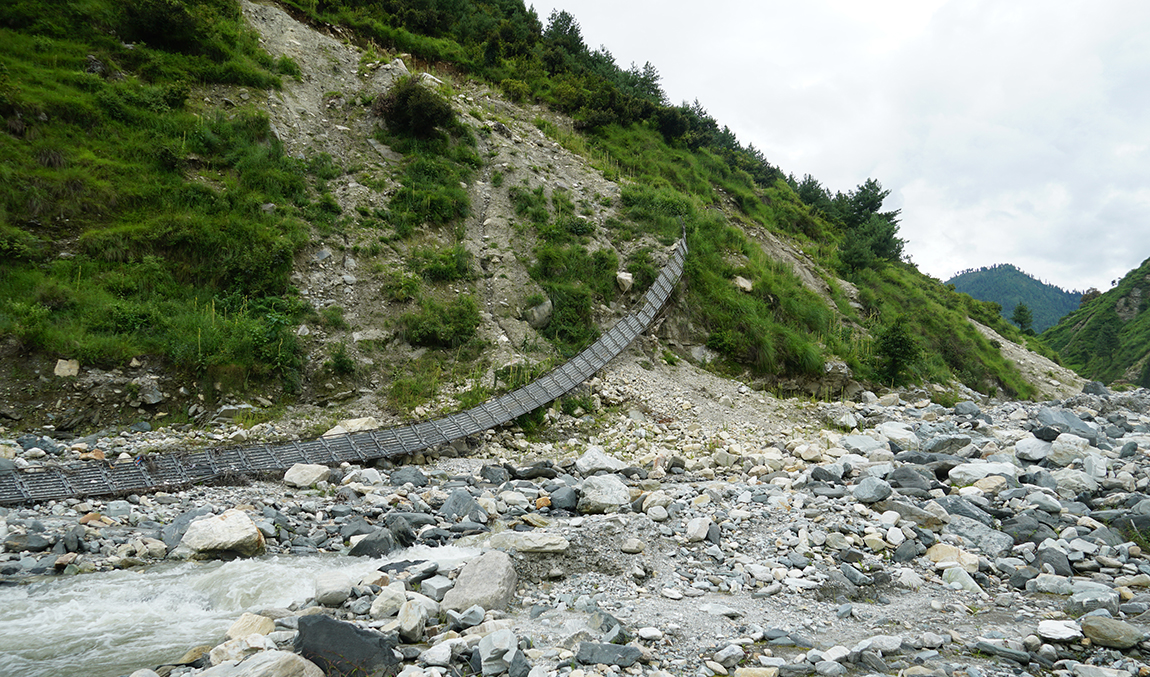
(1008, 132)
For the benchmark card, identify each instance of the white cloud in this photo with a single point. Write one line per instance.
(1007, 132)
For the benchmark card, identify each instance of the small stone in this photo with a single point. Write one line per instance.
(632, 546)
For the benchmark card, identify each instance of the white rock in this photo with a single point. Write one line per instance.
(1059, 631)
(232, 531)
(595, 459)
(697, 529)
(305, 475)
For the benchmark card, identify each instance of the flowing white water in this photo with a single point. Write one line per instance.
(113, 623)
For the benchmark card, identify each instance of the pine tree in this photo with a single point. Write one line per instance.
(1023, 318)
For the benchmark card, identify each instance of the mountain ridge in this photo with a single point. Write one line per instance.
(1007, 285)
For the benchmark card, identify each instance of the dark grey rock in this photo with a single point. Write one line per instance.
(462, 504)
(406, 474)
(1065, 421)
(495, 474)
(1003, 652)
(595, 653)
(967, 408)
(908, 477)
(957, 505)
(26, 543)
(1055, 558)
(855, 576)
(1095, 388)
(1024, 528)
(344, 649)
(565, 498)
(871, 490)
(377, 544)
(946, 444)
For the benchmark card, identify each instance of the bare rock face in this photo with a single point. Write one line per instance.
(231, 533)
(487, 581)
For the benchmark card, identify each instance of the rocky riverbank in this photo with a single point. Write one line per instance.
(687, 526)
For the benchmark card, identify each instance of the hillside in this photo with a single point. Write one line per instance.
(1008, 286)
(212, 203)
(1108, 338)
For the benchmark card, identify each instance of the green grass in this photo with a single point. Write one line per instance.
(154, 206)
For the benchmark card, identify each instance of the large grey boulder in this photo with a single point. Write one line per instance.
(332, 588)
(487, 581)
(969, 473)
(872, 490)
(1074, 482)
(304, 475)
(595, 459)
(1066, 422)
(1067, 448)
(230, 533)
(990, 541)
(862, 445)
(603, 494)
(1031, 449)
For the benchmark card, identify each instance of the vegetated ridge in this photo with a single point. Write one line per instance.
(1108, 337)
(1008, 286)
(203, 201)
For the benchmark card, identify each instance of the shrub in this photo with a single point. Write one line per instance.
(896, 350)
(444, 325)
(444, 265)
(516, 90)
(412, 109)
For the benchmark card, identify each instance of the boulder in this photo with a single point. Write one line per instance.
(1031, 449)
(1110, 632)
(969, 473)
(305, 475)
(251, 624)
(388, 601)
(376, 544)
(603, 494)
(872, 490)
(1067, 448)
(332, 588)
(529, 541)
(595, 653)
(595, 459)
(231, 533)
(487, 581)
(342, 649)
(990, 541)
(272, 663)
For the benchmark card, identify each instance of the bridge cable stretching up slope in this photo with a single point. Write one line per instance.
(180, 469)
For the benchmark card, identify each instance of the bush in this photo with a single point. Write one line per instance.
(896, 351)
(443, 265)
(444, 325)
(516, 90)
(412, 109)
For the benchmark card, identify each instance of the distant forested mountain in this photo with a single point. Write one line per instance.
(1008, 286)
(1108, 338)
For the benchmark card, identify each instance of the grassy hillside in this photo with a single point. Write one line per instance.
(1108, 338)
(107, 249)
(1008, 286)
(136, 218)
